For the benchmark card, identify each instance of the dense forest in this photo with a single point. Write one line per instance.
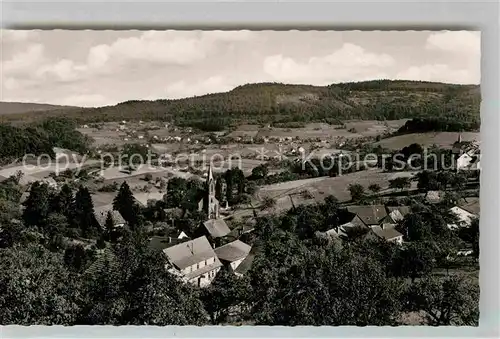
(40, 138)
(419, 125)
(280, 103)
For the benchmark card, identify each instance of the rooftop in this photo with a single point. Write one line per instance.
(190, 252)
(217, 228)
(246, 264)
(404, 210)
(101, 214)
(233, 251)
(369, 214)
(388, 232)
(159, 243)
(471, 206)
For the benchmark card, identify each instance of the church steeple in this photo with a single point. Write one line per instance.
(210, 176)
(212, 202)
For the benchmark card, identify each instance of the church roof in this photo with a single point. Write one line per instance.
(216, 228)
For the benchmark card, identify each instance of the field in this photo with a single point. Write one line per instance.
(319, 188)
(322, 131)
(441, 139)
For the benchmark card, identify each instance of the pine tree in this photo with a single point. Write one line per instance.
(110, 223)
(125, 203)
(67, 201)
(37, 205)
(84, 213)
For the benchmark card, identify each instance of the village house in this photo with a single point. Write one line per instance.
(396, 213)
(194, 261)
(246, 264)
(232, 254)
(464, 217)
(388, 232)
(101, 215)
(216, 228)
(370, 215)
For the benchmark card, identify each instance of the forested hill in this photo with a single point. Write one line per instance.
(25, 107)
(275, 102)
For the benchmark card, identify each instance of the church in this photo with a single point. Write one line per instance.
(215, 226)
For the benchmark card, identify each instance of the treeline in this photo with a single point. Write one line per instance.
(421, 125)
(40, 138)
(283, 104)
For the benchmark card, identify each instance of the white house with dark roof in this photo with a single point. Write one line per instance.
(194, 261)
(233, 253)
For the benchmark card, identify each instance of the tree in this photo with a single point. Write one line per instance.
(148, 177)
(76, 257)
(400, 183)
(219, 186)
(357, 191)
(459, 181)
(84, 213)
(66, 201)
(414, 228)
(268, 203)
(427, 181)
(316, 285)
(449, 301)
(260, 171)
(177, 189)
(110, 223)
(375, 188)
(414, 261)
(127, 206)
(56, 224)
(226, 292)
(445, 178)
(36, 288)
(36, 207)
(251, 187)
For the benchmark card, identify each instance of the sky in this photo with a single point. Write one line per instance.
(98, 68)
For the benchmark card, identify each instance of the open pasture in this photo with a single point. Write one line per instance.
(441, 139)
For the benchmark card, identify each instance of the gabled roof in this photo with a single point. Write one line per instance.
(233, 251)
(190, 252)
(388, 232)
(246, 264)
(217, 228)
(159, 243)
(404, 210)
(472, 207)
(101, 214)
(369, 214)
